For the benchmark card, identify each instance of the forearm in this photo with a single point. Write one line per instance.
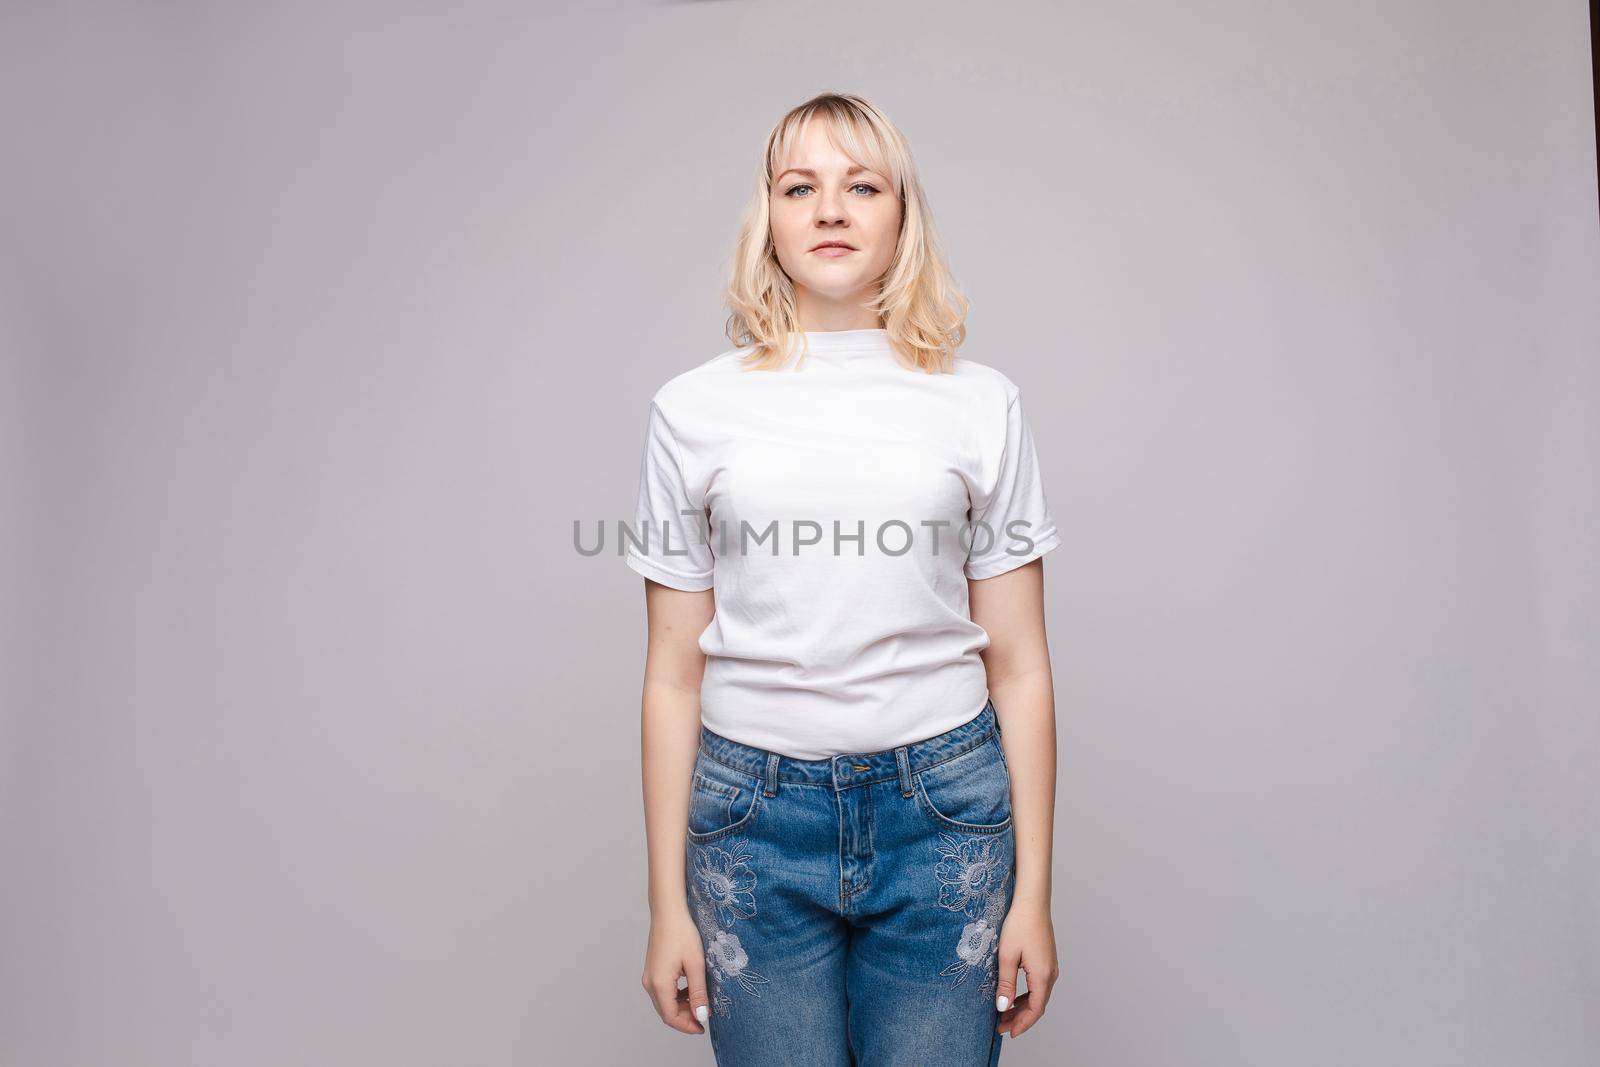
(1025, 705)
(670, 737)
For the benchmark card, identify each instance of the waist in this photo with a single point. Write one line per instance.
(856, 768)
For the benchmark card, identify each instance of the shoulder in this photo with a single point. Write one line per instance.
(989, 385)
(700, 380)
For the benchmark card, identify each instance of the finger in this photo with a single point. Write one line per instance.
(1005, 992)
(1038, 995)
(1008, 1018)
(1046, 988)
(674, 1012)
(1031, 1007)
(697, 1000)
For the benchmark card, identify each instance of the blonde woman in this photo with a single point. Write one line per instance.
(848, 714)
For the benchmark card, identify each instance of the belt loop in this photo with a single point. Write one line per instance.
(772, 774)
(904, 762)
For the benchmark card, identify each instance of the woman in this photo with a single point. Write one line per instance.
(841, 525)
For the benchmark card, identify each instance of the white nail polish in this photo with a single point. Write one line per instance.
(703, 1013)
(1000, 1003)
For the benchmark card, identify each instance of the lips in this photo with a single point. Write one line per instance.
(832, 248)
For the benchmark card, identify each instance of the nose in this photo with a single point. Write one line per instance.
(830, 209)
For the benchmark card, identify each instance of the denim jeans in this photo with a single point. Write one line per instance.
(850, 907)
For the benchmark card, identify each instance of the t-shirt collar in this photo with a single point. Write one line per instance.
(848, 343)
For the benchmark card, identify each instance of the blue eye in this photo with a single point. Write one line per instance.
(872, 190)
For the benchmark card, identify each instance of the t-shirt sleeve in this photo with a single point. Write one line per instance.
(1017, 517)
(674, 535)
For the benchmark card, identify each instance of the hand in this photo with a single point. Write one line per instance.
(1028, 940)
(675, 950)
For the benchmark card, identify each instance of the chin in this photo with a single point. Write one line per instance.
(834, 282)
(833, 290)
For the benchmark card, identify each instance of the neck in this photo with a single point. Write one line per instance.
(817, 314)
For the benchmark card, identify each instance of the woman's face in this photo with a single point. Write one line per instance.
(822, 197)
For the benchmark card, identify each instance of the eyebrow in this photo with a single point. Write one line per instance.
(808, 172)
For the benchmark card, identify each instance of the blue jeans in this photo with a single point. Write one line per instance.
(850, 907)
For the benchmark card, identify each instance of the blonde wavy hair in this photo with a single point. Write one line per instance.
(923, 312)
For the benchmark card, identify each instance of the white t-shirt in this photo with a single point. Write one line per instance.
(861, 642)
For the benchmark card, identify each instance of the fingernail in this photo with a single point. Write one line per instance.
(1000, 1003)
(703, 1013)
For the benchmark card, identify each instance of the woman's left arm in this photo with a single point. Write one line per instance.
(1010, 607)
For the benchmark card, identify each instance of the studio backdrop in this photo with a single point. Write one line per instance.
(327, 327)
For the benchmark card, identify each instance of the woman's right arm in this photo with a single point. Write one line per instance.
(670, 738)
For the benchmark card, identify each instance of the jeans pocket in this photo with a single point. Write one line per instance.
(970, 793)
(720, 803)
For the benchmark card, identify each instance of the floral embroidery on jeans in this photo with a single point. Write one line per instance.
(973, 874)
(722, 886)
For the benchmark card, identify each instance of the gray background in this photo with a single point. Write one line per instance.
(323, 323)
